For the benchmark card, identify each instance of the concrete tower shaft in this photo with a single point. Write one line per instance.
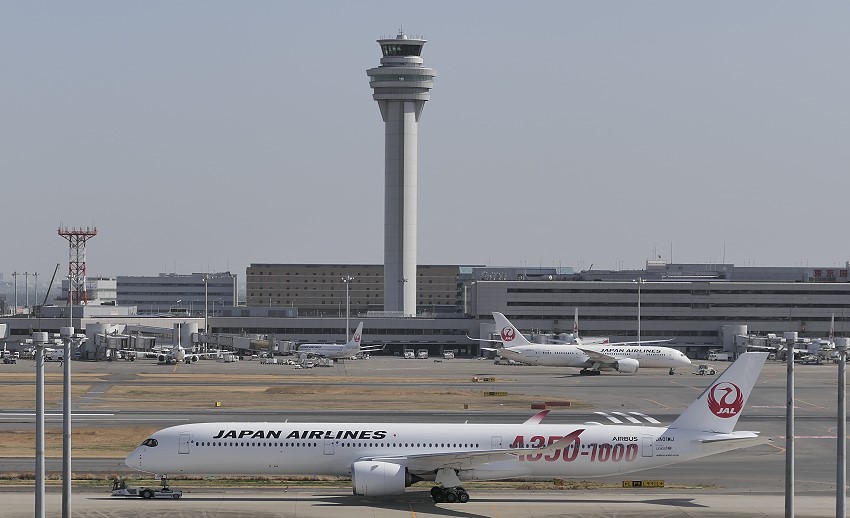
(401, 85)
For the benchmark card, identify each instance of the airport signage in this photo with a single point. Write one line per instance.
(643, 483)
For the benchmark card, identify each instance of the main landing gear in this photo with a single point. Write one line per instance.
(449, 495)
(671, 372)
(589, 372)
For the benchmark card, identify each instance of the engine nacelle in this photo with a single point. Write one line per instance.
(191, 358)
(376, 478)
(627, 365)
(162, 358)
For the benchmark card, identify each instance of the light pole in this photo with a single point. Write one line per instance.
(15, 275)
(639, 281)
(27, 288)
(206, 303)
(39, 339)
(401, 285)
(841, 451)
(36, 287)
(347, 279)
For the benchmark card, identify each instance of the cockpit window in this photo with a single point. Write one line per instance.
(150, 442)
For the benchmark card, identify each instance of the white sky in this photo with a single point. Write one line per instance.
(210, 135)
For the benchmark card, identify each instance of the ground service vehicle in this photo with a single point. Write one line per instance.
(704, 369)
(120, 489)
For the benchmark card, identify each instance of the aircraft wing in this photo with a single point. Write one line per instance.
(598, 357)
(460, 460)
(484, 340)
(642, 342)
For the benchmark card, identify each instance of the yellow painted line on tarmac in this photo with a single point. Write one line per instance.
(495, 512)
(659, 404)
(412, 512)
(797, 400)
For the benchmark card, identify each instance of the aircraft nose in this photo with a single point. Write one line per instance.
(134, 459)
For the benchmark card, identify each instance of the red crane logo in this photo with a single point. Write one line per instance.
(508, 334)
(725, 400)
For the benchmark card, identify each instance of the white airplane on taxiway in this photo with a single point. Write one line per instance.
(385, 458)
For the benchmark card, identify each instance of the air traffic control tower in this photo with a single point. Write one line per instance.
(401, 86)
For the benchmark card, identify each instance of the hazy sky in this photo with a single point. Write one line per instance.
(210, 135)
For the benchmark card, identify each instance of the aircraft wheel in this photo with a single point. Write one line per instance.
(439, 496)
(583, 372)
(451, 497)
(175, 496)
(435, 490)
(462, 496)
(671, 372)
(147, 493)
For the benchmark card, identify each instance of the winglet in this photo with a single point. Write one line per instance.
(718, 408)
(536, 418)
(509, 334)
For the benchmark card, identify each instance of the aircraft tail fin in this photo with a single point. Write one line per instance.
(718, 408)
(575, 325)
(832, 329)
(354, 343)
(509, 334)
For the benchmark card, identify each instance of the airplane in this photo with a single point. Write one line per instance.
(385, 458)
(624, 357)
(338, 351)
(176, 354)
(573, 338)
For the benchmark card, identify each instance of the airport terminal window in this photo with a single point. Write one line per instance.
(150, 442)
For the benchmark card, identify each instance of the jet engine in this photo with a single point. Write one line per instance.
(191, 358)
(627, 365)
(161, 358)
(377, 478)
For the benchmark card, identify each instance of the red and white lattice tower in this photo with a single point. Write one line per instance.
(77, 262)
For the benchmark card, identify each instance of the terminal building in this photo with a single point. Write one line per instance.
(690, 304)
(320, 289)
(170, 292)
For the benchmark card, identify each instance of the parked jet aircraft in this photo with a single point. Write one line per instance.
(573, 338)
(384, 458)
(591, 358)
(338, 351)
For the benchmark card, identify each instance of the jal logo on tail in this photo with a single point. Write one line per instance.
(357, 339)
(508, 334)
(725, 400)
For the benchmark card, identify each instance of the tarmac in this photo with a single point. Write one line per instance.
(746, 482)
(418, 504)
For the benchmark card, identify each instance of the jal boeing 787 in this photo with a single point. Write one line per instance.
(385, 458)
(625, 357)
